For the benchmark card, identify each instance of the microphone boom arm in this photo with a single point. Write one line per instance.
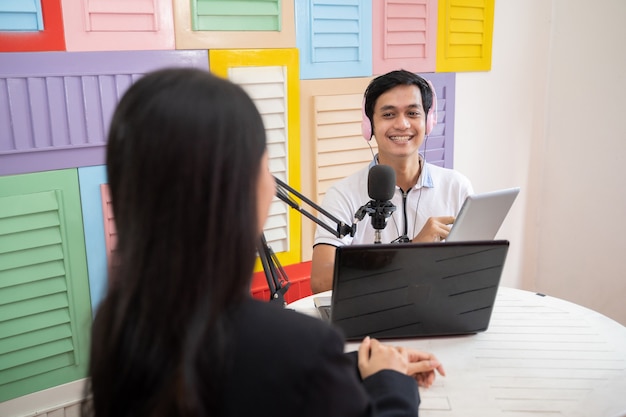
(342, 228)
(277, 280)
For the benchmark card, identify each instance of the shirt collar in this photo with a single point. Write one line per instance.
(425, 179)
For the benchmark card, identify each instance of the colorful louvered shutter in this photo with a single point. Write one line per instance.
(45, 310)
(465, 35)
(110, 234)
(31, 25)
(59, 104)
(21, 15)
(404, 35)
(227, 24)
(242, 15)
(334, 38)
(267, 87)
(270, 77)
(439, 147)
(102, 25)
(341, 148)
(92, 179)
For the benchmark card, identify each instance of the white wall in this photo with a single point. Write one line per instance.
(549, 118)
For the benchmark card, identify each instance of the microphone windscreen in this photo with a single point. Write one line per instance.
(381, 183)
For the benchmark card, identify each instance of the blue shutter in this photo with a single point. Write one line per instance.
(21, 15)
(334, 38)
(91, 179)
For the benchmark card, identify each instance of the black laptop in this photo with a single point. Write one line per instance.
(414, 289)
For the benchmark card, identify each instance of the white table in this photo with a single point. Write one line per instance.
(541, 356)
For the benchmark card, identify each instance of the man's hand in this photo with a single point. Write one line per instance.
(436, 229)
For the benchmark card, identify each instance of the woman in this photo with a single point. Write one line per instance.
(178, 333)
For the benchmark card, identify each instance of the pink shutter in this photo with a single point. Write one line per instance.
(404, 35)
(98, 25)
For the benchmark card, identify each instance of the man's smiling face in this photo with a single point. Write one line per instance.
(399, 121)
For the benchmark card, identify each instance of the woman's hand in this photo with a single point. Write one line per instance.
(375, 356)
(422, 366)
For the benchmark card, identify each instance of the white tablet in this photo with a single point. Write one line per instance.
(482, 215)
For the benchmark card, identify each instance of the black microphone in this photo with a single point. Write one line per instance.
(381, 186)
(381, 183)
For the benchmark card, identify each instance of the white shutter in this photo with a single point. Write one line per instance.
(267, 85)
(341, 148)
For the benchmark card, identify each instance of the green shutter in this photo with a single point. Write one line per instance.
(236, 15)
(45, 309)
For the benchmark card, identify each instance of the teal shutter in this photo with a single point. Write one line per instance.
(236, 15)
(45, 313)
(21, 15)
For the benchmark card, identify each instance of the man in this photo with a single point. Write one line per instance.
(427, 197)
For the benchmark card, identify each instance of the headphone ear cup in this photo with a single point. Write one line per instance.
(431, 117)
(366, 123)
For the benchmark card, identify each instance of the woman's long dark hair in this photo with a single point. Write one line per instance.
(183, 157)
